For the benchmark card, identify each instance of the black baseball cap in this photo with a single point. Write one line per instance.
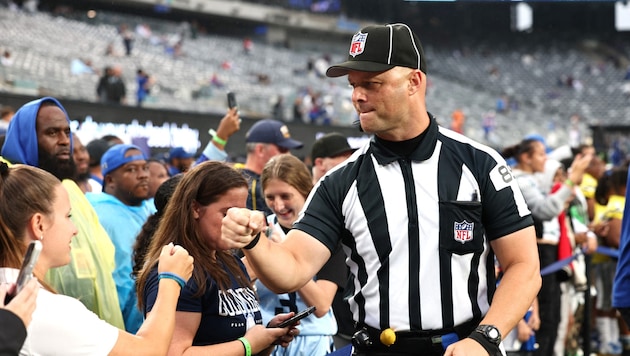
(377, 48)
(97, 148)
(330, 145)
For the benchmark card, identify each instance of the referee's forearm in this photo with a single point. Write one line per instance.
(287, 266)
(514, 296)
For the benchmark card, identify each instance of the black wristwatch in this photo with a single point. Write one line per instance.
(490, 332)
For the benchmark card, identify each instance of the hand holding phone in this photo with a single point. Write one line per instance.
(297, 317)
(30, 259)
(23, 304)
(231, 99)
(26, 270)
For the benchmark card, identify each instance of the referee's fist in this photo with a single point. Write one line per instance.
(240, 226)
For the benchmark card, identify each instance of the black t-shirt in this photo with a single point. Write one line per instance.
(225, 315)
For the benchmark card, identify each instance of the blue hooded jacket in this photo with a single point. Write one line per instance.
(89, 277)
(20, 145)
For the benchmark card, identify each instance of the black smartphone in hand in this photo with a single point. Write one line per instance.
(26, 270)
(297, 317)
(30, 259)
(231, 99)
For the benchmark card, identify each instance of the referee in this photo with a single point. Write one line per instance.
(420, 211)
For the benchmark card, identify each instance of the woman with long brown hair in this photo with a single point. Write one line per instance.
(218, 312)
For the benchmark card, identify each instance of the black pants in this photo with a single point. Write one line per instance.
(419, 352)
(549, 302)
(424, 352)
(625, 314)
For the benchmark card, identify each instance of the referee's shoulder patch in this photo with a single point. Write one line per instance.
(501, 176)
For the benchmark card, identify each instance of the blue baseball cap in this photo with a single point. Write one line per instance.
(179, 152)
(272, 131)
(114, 157)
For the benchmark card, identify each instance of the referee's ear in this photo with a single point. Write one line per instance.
(417, 82)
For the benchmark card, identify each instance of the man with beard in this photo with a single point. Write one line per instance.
(81, 161)
(123, 208)
(41, 137)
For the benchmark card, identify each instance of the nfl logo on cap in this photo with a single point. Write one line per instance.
(358, 44)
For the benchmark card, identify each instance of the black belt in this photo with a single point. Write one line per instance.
(366, 340)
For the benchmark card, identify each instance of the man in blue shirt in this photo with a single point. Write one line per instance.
(122, 209)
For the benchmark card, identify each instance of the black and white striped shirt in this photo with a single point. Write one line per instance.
(416, 229)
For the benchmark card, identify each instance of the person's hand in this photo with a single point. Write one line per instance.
(466, 347)
(276, 236)
(580, 238)
(590, 244)
(287, 337)
(260, 337)
(600, 229)
(291, 331)
(524, 331)
(240, 226)
(578, 166)
(534, 321)
(175, 259)
(229, 124)
(24, 303)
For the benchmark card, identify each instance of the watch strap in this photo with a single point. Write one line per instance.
(492, 349)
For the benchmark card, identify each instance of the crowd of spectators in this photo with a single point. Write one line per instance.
(114, 187)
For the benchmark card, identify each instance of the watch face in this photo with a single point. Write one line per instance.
(493, 333)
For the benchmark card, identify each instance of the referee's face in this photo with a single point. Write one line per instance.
(382, 100)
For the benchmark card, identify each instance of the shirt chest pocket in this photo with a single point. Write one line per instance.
(461, 231)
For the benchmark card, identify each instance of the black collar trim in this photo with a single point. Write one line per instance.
(423, 151)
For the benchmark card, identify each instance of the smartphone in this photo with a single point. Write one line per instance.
(297, 317)
(30, 259)
(231, 99)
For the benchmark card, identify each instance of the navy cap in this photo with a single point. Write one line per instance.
(115, 157)
(377, 48)
(272, 131)
(179, 152)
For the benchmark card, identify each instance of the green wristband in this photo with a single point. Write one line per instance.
(248, 347)
(216, 138)
(219, 140)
